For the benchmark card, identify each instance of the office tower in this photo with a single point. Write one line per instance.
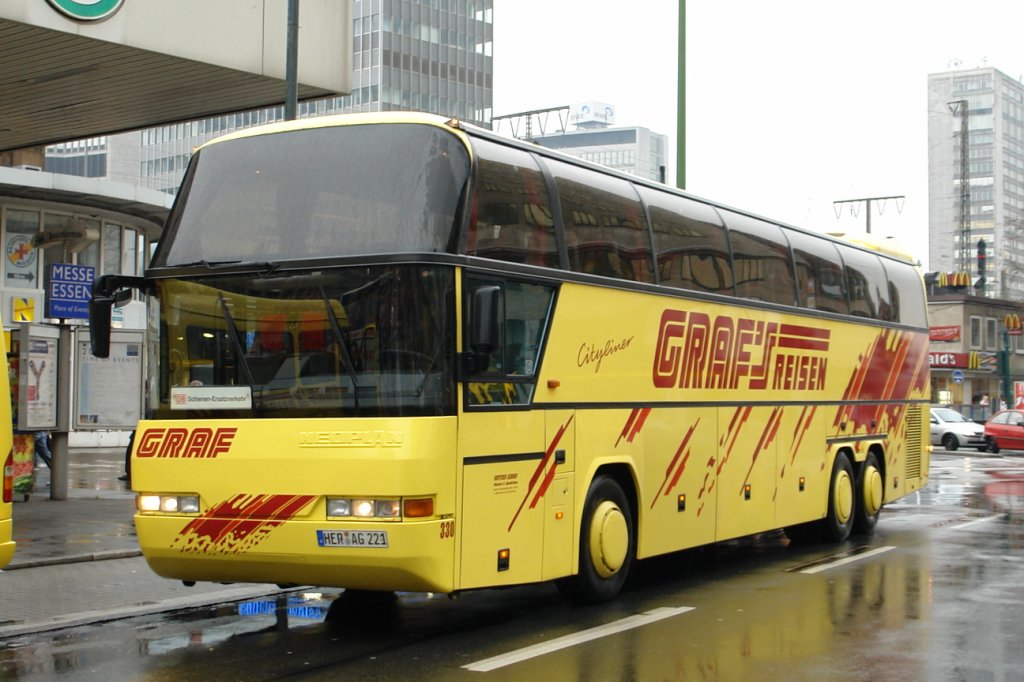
(989, 105)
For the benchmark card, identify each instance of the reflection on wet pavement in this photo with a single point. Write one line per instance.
(993, 484)
(96, 517)
(935, 605)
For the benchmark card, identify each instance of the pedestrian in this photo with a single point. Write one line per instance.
(127, 475)
(42, 448)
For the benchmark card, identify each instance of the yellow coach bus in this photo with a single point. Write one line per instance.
(395, 352)
(7, 543)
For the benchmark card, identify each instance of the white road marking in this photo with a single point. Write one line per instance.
(975, 522)
(567, 641)
(847, 560)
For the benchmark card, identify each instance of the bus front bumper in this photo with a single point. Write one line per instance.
(405, 556)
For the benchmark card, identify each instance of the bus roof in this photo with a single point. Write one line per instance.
(464, 130)
(335, 120)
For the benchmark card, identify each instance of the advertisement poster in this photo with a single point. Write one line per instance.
(37, 390)
(23, 447)
(109, 390)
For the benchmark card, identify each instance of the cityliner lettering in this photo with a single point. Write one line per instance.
(178, 442)
(696, 350)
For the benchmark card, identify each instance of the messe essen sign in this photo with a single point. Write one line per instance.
(68, 289)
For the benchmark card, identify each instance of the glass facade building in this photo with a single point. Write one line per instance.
(995, 176)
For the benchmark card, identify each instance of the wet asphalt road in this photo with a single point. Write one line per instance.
(934, 594)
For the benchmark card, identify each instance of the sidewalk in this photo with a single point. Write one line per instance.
(78, 561)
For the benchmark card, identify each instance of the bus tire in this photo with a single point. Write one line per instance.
(607, 544)
(870, 494)
(838, 522)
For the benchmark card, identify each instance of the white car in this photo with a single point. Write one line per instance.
(952, 430)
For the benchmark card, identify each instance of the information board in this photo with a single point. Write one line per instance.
(108, 391)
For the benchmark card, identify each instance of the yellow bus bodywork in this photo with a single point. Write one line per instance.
(7, 543)
(719, 421)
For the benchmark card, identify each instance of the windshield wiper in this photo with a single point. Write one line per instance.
(261, 266)
(233, 333)
(207, 263)
(346, 359)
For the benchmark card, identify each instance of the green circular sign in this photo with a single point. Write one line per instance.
(87, 10)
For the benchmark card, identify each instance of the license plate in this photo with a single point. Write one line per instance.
(371, 539)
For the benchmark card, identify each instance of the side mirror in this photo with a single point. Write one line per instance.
(486, 311)
(484, 331)
(99, 325)
(106, 295)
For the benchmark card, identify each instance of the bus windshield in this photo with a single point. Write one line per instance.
(357, 190)
(358, 341)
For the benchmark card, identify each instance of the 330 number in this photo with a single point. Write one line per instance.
(447, 529)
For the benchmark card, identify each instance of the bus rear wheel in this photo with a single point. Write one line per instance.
(842, 508)
(607, 544)
(870, 494)
(838, 523)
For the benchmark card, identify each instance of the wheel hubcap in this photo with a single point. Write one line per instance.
(872, 493)
(609, 539)
(842, 497)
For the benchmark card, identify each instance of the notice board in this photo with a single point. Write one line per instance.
(108, 391)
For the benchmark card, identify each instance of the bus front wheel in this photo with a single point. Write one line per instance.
(607, 544)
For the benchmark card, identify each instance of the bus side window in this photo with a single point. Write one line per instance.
(690, 243)
(822, 285)
(511, 218)
(523, 323)
(605, 227)
(760, 259)
(868, 286)
(907, 294)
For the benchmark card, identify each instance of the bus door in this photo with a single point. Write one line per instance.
(501, 522)
(515, 460)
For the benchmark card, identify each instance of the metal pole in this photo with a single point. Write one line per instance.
(681, 102)
(60, 453)
(292, 62)
(1007, 378)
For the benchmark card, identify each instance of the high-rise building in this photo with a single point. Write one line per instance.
(423, 55)
(989, 105)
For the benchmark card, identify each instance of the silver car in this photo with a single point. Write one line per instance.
(952, 430)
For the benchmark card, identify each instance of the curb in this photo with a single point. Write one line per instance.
(74, 559)
(228, 595)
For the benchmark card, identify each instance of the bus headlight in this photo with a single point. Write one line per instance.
(371, 508)
(169, 504)
(339, 506)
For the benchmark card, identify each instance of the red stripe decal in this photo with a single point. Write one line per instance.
(542, 468)
(767, 436)
(238, 524)
(634, 423)
(668, 485)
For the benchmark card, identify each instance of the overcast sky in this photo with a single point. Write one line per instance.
(791, 105)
